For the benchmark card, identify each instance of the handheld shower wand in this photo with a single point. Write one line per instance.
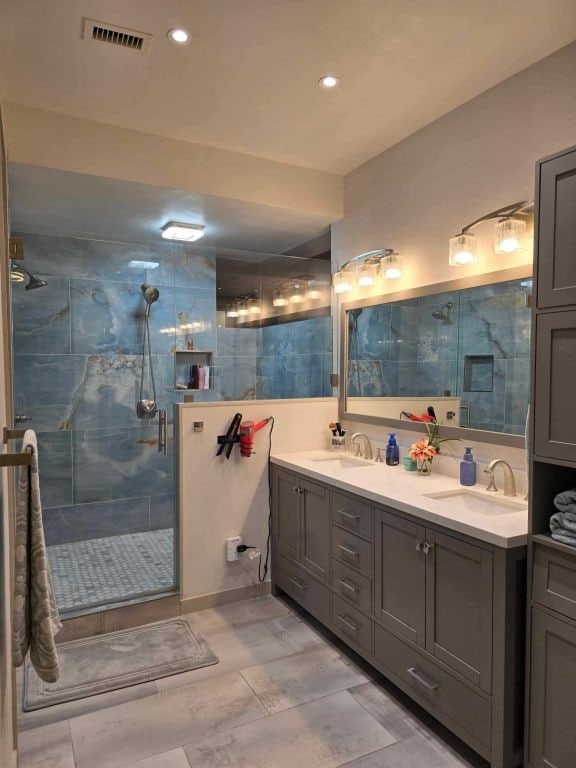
(147, 407)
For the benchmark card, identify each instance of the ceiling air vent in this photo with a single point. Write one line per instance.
(98, 31)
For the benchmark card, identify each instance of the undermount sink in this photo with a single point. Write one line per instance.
(343, 462)
(481, 503)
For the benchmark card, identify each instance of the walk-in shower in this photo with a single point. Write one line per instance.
(147, 407)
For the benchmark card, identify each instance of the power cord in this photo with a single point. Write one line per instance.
(241, 548)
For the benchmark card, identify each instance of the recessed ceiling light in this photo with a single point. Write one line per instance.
(329, 81)
(176, 230)
(179, 36)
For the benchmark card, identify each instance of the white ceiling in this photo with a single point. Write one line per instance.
(248, 79)
(58, 202)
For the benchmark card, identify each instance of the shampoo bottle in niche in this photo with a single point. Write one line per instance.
(392, 451)
(468, 468)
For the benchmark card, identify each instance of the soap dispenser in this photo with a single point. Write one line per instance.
(468, 468)
(392, 451)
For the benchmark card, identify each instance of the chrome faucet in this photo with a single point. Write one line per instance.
(509, 481)
(367, 445)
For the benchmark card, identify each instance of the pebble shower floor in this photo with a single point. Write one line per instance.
(102, 570)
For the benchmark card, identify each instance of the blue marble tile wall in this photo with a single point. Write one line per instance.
(77, 345)
(418, 348)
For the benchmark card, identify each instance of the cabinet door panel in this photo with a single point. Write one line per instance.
(400, 586)
(552, 699)
(286, 513)
(315, 547)
(459, 607)
(554, 421)
(557, 232)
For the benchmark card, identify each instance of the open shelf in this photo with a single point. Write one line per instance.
(548, 541)
(183, 359)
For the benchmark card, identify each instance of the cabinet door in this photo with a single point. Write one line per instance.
(286, 513)
(554, 420)
(459, 606)
(400, 571)
(315, 546)
(553, 693)
(557, 232)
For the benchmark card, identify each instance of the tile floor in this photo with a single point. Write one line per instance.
(99, 571)
(283, 696)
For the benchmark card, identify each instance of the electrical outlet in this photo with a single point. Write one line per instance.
(231, 548)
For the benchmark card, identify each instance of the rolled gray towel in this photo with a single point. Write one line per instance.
(566, 501)
(563, 528)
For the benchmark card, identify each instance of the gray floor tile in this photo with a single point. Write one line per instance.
(416, 752)
(389, 713)
(319, 734)
(307, 637)
(176, 758)
(46, 747)
(156, 724)
(293, 680)
(236, 649)
(227, 617)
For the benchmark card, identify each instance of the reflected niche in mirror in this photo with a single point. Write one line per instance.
(465, 353)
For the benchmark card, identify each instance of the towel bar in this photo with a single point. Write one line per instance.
(13, 459)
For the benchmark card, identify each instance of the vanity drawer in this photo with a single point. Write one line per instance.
(554, 581)
(354, 515)
(302, 587)
(428, 683)
(355, 588)
(352, 623)
(352, 550)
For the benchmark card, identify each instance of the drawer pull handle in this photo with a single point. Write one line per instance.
(348, 551)
(427, 548)
(297, 584)
(348, 623)
(418, 545)
(349, 515)
(431, 686)
(348, 586)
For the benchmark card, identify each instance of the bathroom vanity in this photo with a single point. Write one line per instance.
(422, 578)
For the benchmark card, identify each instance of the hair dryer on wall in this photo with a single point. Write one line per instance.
(247, 431)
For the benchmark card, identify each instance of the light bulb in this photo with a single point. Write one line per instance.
(329, 81)
(179, 36)
(231, 311)
(368, 273)
(254, 307)
(242, 309)
(296, 294)
(392, 265)
(342, 281)
(313, 292)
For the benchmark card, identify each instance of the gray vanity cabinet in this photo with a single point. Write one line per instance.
(459, 579)
(286, 523)
(554, 432)
(552, 741)
(400, 573)
(556, 265)
(315, 522)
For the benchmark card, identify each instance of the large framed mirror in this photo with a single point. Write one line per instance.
(460, 350)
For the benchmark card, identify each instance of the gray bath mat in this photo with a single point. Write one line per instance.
(116, 660)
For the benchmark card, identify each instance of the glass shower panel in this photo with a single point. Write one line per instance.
(107, 492)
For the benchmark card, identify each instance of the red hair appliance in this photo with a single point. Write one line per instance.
(247, 431)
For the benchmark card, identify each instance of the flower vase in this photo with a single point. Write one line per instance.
(424, 466)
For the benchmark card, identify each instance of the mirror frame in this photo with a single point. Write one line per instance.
(473, 281)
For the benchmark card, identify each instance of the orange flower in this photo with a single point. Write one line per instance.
(422, 450)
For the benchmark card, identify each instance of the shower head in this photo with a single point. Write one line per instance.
(440, 314)
(151, 294)
(19, 272)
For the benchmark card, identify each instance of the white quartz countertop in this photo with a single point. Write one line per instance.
(408, 492)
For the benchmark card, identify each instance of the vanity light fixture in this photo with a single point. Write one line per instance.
(296, 293)
(329, 82)
(179, 36)
(279, 298)
(368, 272)
(463, 250)
(254, 306)
(187, 233)
(509, 234)
(313, 292)
(343, 281)
(242, 308)
(231, 310)
(392, 265)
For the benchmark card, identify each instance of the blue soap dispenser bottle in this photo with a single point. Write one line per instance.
(392, 451)
(468, 468)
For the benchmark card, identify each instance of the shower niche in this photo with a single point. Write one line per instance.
(193, 370)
